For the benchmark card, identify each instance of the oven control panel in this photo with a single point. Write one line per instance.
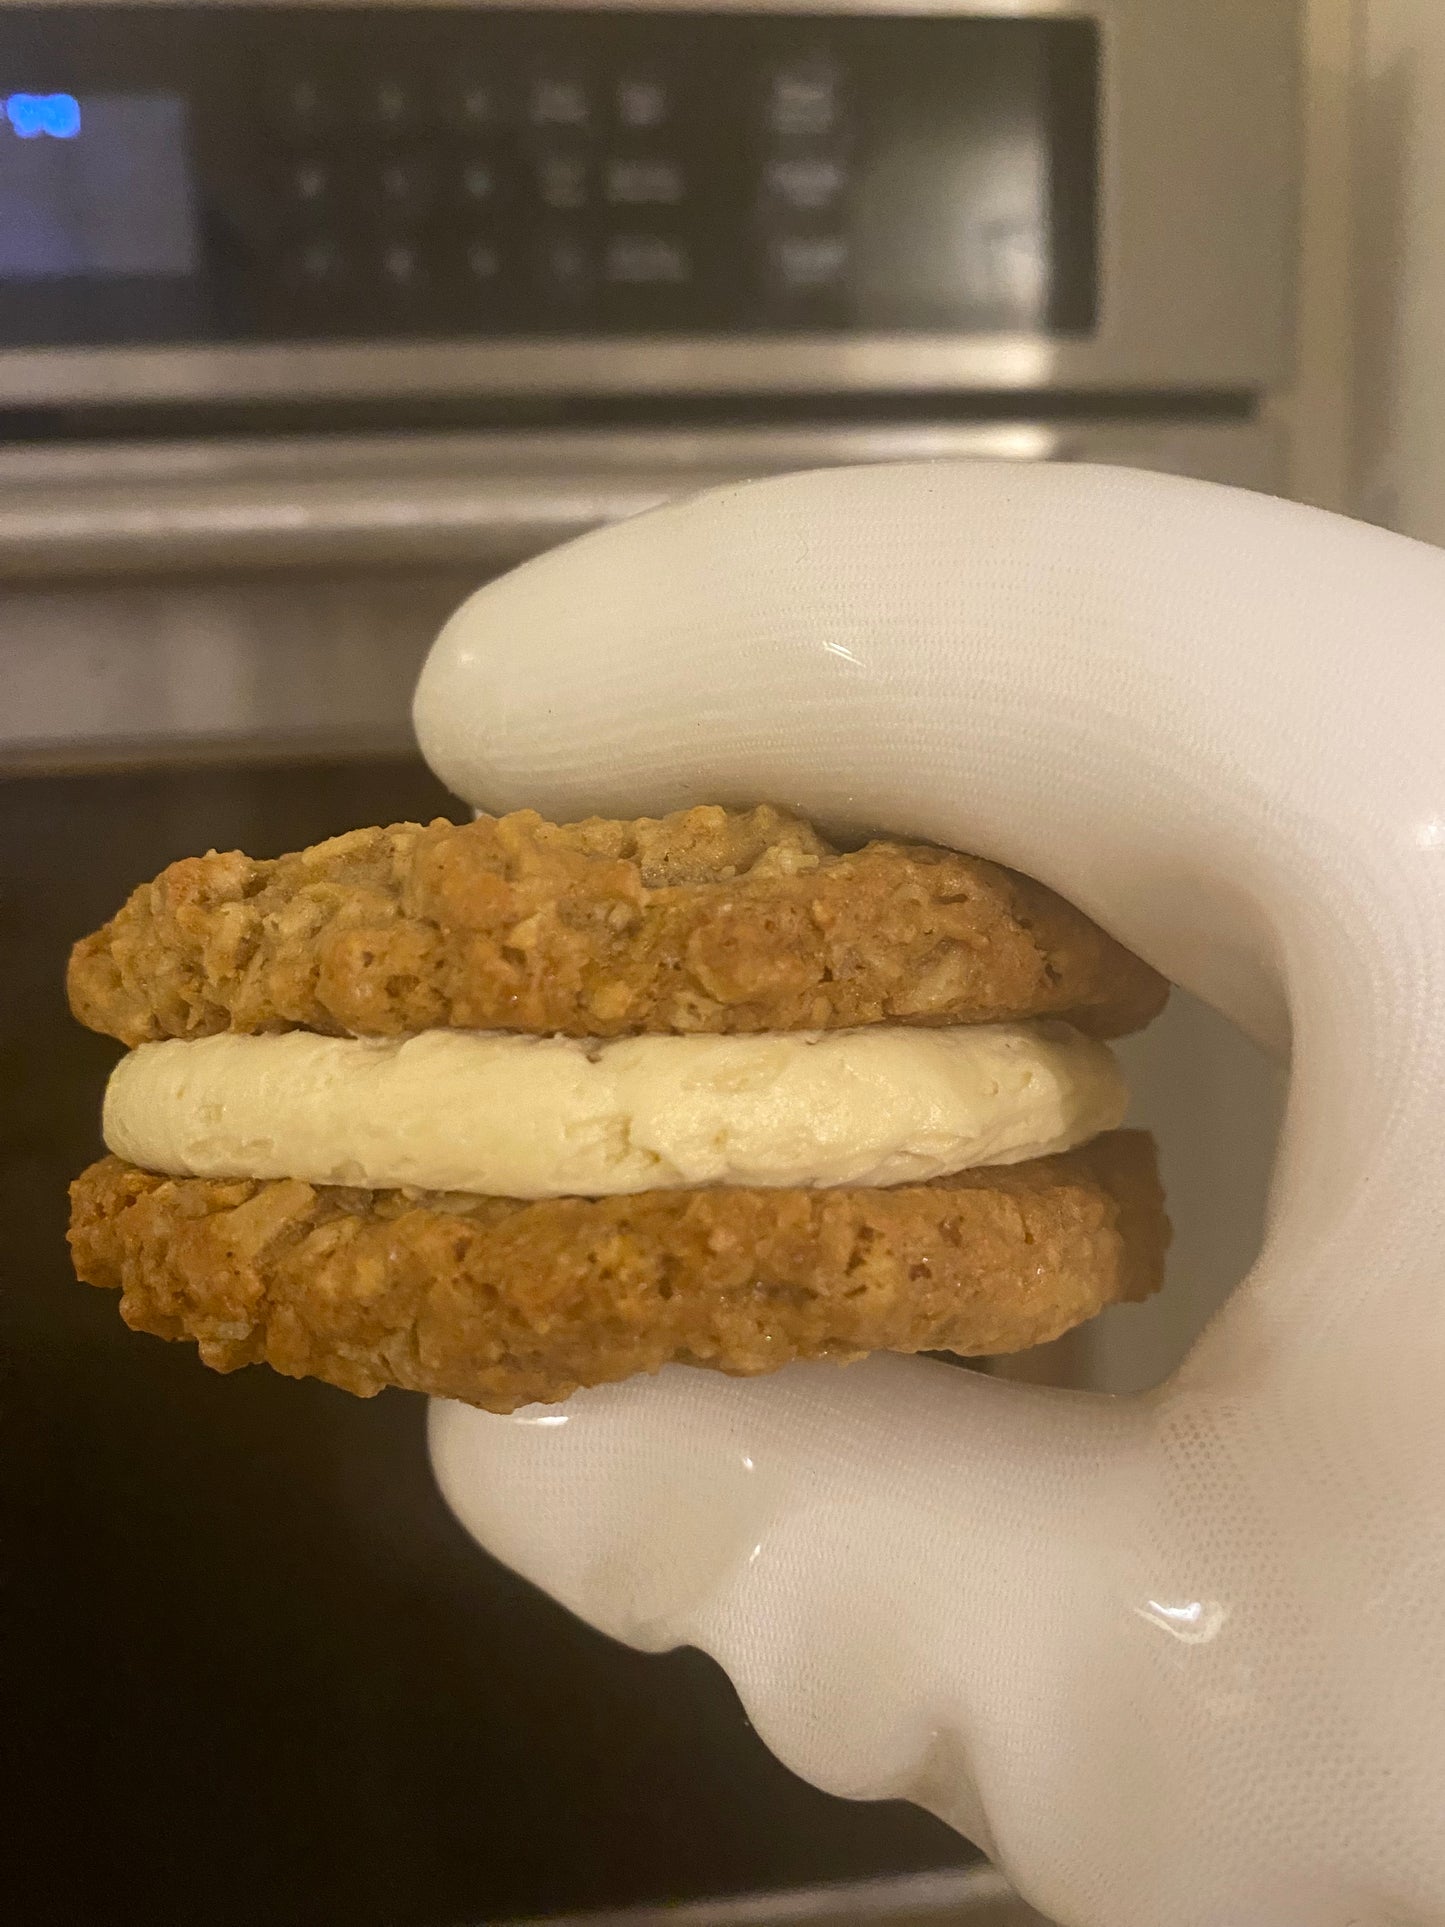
(229, 173)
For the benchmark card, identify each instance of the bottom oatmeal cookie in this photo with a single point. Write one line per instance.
(500, 1303)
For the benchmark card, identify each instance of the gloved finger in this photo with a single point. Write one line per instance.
(1210, 718)
(1214, 721)
(1176, 704)
(822, 1533)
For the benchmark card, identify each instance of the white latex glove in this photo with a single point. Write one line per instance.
(1173, 1661)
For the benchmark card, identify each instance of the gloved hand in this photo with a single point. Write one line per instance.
(1172, 1661)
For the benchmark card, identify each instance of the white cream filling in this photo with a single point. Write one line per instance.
(527, 1117)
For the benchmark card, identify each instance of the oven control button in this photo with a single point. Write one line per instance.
(644, 180)
(405, 188)
(315, 266)
(647, 261)
(301, 107)
(559, 99)
(563, 180)
(482, 261)
(400, 268)
(805, 183)
(641, 102)
(803, 264)
(476, 104)
(392, 106)
(480, 183)
(308, 188)
(566, 266)
(803, 98)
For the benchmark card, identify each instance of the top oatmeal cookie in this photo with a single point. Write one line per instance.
(706, 920)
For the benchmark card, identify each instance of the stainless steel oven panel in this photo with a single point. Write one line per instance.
(1198, 154)
(121, 642)
(486, 501)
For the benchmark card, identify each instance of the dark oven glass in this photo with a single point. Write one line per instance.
(252, 1671)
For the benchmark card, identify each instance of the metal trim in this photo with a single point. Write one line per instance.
(481, 501)
(974, 1896)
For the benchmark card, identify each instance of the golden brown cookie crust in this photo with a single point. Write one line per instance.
(502, 1303)
(708, 920)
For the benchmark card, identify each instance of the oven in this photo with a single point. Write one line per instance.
(386, 297)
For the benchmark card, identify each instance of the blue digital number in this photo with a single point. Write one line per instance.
(31, 115)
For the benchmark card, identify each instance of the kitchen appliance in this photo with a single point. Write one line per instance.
(386, 287)
(312, 317)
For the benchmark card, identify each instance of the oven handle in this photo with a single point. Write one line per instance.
(482, 500)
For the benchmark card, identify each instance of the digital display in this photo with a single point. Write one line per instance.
(94, 185)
